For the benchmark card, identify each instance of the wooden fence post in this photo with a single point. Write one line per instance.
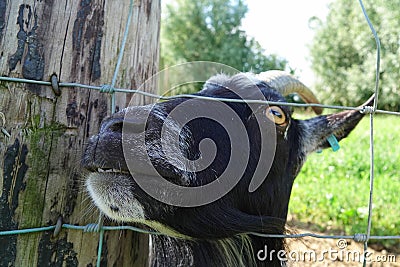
(40, 179)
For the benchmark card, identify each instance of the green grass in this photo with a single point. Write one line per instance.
(332, 190)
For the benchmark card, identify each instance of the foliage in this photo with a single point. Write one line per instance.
(332, 190)
(206, 30)
(343, 53)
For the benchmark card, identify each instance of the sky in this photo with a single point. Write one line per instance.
(281, 27)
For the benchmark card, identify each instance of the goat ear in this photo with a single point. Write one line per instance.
(316, 131)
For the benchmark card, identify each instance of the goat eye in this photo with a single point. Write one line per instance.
(276, 115)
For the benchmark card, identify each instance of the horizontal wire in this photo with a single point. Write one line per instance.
(143, 231)
(321, 236)
(113, 228)
(27, 231)
(247, 101)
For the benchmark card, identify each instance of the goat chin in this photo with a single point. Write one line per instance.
(109, 193)
(112, 193)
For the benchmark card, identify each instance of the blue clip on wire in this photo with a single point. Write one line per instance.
(333, 142)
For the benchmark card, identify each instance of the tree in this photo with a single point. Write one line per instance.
(40, 178)
(209, 30)
(343, 53)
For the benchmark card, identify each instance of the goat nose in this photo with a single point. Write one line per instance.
(135, 125)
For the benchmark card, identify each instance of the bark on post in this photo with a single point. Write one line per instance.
(40, 179)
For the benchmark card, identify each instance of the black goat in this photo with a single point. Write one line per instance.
(129, 152)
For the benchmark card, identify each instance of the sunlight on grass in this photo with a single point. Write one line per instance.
(332, 190)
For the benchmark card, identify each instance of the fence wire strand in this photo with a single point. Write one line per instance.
(371, 118)
(160, 97)
(93, 228)
(98, 227)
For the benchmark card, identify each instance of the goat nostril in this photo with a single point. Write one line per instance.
(116, 127)
(130, 127)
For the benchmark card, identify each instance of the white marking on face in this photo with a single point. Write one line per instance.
(112, 194)
(287, 130)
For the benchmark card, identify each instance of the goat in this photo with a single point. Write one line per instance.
(127, 157)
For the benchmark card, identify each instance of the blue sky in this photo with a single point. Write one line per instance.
(281, 27)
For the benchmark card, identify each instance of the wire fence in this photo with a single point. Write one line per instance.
(98, 227)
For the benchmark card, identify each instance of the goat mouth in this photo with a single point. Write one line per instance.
(110, 170)
(172, 177)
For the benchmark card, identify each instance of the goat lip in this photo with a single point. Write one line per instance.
(124, 172)
(117, 171)
(106, 170)
(109, 170)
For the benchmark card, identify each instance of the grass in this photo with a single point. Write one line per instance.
(332, 190)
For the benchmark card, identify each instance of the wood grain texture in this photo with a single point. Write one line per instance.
(40, 178)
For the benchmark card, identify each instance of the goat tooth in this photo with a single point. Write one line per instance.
(108, 170)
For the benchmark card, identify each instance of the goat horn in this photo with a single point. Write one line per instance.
(287, 84)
